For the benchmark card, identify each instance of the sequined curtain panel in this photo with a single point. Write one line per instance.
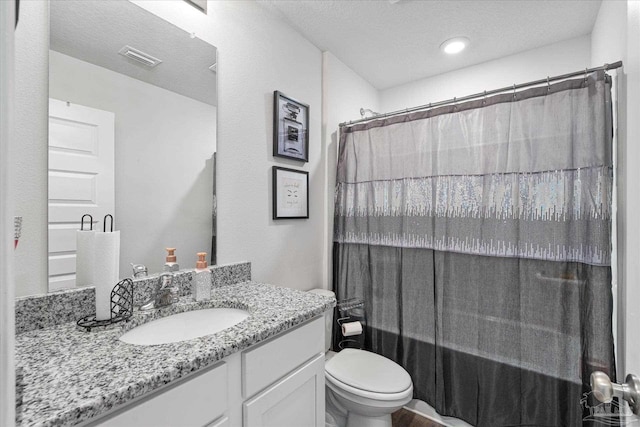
(479, 236)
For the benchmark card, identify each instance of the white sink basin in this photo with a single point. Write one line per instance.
(185, 326)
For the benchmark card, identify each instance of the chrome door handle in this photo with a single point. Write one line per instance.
(604, 390)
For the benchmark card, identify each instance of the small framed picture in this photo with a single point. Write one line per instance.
(290, 193)
(290, 128)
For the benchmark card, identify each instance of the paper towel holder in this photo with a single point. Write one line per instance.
(121, 308)
(104, 223)
(90, 222)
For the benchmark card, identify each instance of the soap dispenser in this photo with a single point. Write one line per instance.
(170, 262)
(202, 282)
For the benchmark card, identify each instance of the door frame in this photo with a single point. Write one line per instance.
(7, 286)
(102, 161)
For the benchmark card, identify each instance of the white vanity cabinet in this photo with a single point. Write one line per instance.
(278, 383)
(296, 400)
(277, 395)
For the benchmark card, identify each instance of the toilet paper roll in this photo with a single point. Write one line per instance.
(85, 249)
(106, 270)
(351, 328)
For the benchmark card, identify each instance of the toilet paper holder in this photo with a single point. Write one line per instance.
(350, 310)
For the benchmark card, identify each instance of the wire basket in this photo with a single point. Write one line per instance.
(121, 307)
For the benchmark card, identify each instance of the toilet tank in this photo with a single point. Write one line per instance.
(328, 317)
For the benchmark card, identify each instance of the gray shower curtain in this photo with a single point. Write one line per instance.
(479, 237)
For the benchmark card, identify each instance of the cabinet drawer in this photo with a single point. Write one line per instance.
(275, 358)
(194, 401)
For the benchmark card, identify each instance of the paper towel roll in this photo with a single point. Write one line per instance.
(85, 249)
(106, 270)
(351, 328)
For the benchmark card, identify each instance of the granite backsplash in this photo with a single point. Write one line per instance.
(55, 308)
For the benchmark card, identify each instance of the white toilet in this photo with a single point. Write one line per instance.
(363, 389)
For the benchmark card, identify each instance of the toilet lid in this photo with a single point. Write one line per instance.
(368, 371)
(323, 292)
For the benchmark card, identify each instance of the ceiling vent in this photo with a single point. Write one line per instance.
(139, 56)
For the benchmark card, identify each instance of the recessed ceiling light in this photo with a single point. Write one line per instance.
(454, 45)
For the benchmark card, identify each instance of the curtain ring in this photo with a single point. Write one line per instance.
(514, 91)
(484, 98)
(548, 85)
(455, 103)
(586, 77)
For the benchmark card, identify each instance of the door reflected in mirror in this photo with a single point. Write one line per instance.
(132, 132)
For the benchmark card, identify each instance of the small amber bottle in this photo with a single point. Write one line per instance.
(202, 280)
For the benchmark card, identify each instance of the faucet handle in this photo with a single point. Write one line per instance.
(139, 270)
(167, 285)
(166, 280)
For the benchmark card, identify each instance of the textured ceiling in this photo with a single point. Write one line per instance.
(389, 43)
(94, 31)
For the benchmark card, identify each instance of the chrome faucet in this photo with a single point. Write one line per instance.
(139, 270)
(165, 295)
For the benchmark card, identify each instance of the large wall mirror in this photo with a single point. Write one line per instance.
(132, 133)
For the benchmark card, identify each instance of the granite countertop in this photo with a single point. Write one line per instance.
(70, 376)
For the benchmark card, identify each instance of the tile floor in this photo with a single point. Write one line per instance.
(404, 418)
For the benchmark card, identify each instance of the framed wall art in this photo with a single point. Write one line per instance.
(290, 128)
(290, 193)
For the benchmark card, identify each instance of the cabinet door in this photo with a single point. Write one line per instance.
(295, 401)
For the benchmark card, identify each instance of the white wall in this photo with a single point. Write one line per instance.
(632, 290)
(609, 34)
(558, 58)
(616, 36)
(163, 160)
(29, 149)
(260, 53)
(343, 94)
(7, 316)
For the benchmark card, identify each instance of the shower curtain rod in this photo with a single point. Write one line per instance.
(548, 80)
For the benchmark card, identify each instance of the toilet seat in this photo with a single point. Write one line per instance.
(368, 375)
(372, 395)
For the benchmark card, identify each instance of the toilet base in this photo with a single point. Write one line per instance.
(349, 410)
(357, 420)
